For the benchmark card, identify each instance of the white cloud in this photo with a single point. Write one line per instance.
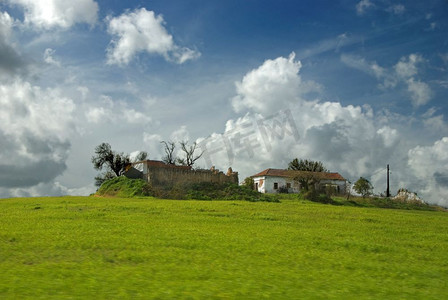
(36, 124)
(11, 61)
(153, 145)
(362, 6)
(420, 92)
(112, 111)
(48, 14)
(6, 24)
(430, 165)
(436, 123)
(97, 114)
(180, 134)
(352, 140)
(361, 64)
(390, 136)
(397, 9)
(407, 67)
(405, 71)
(272, 86)
(49, 59)
(143, 31)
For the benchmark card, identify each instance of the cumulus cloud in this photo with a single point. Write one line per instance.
(48, 14)
(404, 72)
(35, 127)
(430, 165)
(271, 86)
(11, 62)
(143, 31)
(352, 140)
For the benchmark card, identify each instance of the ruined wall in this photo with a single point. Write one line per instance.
(173, 176)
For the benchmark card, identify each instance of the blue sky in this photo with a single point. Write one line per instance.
(365, 82)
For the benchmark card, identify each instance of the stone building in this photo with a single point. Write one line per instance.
(158, 173)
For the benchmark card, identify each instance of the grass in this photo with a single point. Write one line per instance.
(128, 188)
(146, 248)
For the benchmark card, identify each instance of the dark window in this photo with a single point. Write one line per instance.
(256, 186)
(275, 186)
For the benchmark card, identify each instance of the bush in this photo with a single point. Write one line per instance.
(314, 196)
(283, 190)
(124, 187)
(227, 191)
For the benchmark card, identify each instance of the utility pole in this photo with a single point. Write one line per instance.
(387, 190)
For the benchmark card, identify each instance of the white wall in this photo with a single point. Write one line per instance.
(266, 184)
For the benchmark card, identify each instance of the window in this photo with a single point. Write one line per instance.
(288, 185)
(256, 186)
(275, 185)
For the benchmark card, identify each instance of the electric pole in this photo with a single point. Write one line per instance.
(387, 190)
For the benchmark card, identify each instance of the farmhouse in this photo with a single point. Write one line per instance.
(158, 173)
(276, 180)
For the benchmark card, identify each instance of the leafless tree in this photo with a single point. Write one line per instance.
(169, 157)
(189, 151)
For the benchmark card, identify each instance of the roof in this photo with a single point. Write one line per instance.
(292, 174)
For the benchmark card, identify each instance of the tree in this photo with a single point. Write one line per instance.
(307, 180)
(169, 157)
(306, 165)
(189, 151)
(363, 186)
(249, 183)
(114, 162)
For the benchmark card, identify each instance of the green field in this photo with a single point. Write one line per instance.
(143, 248)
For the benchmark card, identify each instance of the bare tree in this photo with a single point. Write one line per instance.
(189, 151)
(169, 157)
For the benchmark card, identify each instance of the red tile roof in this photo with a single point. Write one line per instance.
(292, 174)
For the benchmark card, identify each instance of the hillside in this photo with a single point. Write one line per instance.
(143, 248)
(125, 187)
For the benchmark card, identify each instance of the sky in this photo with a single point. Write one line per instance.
(356, 84)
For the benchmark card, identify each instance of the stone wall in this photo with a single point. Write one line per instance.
(174, 176)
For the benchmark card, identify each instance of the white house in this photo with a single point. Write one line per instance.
(275, 180)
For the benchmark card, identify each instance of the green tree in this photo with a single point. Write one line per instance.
(307, 180)
(249, 183)
(113, 162)
(363, 186)
(306, 165)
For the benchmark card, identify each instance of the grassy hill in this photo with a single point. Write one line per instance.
(143, 248)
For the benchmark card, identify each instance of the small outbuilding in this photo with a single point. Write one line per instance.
(278, 180)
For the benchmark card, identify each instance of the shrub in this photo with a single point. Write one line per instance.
(124, 187)
(314, 196)
(283, 190)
